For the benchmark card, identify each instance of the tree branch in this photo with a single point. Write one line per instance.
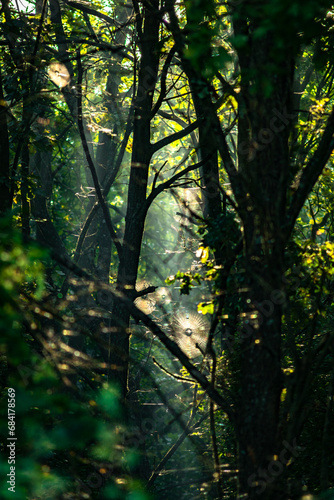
(173, 137)
(88, 10)
(219, 135)
(138, 315)
(188, 430)
(164, 72)
(167, 184)
(311, 173)
(108, 182)
(141, 293)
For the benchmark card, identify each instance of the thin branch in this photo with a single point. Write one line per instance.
(227, 87)
(219, 135)
(167, 184)
(39, 33)
(138, 18)
(141, 293)
(164, 72)
(173, 137)
(138, 315)
(173, 375)
(109, 182)
(188, 430)
(173, 118)
(88, 10)
(84, 230)
(156, 175)
(91, 166)
(311, 172)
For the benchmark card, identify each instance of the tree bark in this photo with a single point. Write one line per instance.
(208, 124)
(263, 152)
(136, 212)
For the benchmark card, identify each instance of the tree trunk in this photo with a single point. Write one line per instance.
(263, 153)
(135, 216)
(260, 376)
(208, 123)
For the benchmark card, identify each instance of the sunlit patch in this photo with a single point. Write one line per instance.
(94, 127)
(190, 332)
(23, 5)
(189, 206)
(162, 295)
(59, 74)
(191, 197)
(146, 303)
(67, 332)
(43, 121)
(120, 481)
(63, 366)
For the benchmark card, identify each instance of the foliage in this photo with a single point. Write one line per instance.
(166, 268)
(67, 441)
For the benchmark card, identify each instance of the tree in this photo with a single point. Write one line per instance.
(158, 101)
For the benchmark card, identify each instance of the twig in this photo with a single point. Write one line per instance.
(167, 184)
(173, 375)
(188, 430)
(163, 80)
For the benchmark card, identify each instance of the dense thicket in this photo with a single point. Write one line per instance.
(166, 262)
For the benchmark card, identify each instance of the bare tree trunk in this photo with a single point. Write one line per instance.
(208, 150)
(208, 123)
(149, 22)
(263, 153)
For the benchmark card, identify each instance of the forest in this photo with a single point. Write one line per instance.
(167, 249)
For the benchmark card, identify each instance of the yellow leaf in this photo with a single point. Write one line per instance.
(205, 254)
